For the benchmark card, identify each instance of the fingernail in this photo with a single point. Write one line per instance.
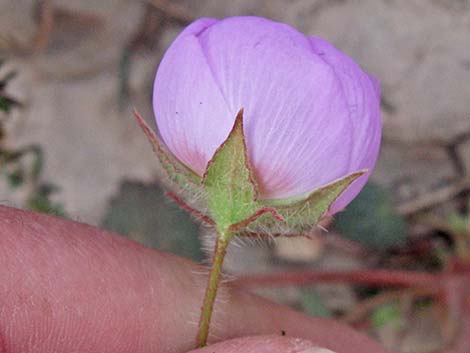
(317, 350)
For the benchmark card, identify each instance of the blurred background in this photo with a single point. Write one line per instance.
(71, 72)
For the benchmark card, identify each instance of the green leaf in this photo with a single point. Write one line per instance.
(459, 223)
(16, 178)
(8, 77)
(313, 304)
(142, 212)
(7, 103)
(38, 160)
(387, 314)
(40, 201)
(372, 220)
(301, 214)
(230, 185)
(176, 171)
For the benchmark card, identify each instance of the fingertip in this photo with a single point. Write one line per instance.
(123, 297)
(263, 344)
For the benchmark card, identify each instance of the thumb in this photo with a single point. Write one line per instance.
(264, 344)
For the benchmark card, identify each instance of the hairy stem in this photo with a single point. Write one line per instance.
(211, 289)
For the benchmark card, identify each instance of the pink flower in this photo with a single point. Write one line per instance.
(311, 115)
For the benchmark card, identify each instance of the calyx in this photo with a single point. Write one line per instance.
(227, 196)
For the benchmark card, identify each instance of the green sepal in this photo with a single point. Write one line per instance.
(229, 184)
(229, 192)
(301, 214)
(176, 171)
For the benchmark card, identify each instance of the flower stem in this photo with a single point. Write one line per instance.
(211, 289)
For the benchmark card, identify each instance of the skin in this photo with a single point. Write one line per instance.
(69, 287)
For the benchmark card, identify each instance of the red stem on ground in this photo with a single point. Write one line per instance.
(364, 277)
(452, 288)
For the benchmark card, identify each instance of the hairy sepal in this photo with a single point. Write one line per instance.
(229, 194)
(229, 183)
(177, 172)
(302, 213)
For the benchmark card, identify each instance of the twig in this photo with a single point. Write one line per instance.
(174, 11)
(41, 38)
(157, 15)
(457, 300)
(461, 343)
(149, 30)
(434, 198)
(147, 36)
(45, 27)
(452, 150)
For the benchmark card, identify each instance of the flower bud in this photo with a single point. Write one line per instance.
(310, 114)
